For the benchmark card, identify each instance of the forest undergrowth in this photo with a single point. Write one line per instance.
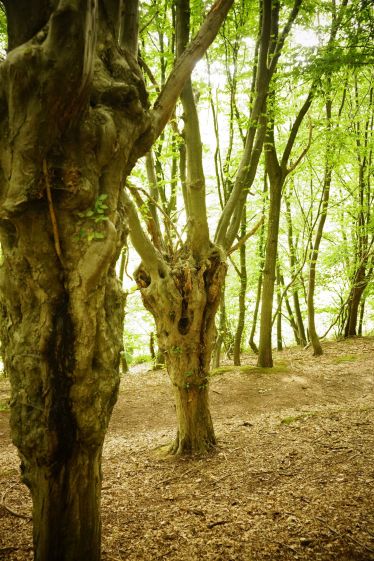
(292, 476)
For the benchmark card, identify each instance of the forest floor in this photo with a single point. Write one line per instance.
(292, 477)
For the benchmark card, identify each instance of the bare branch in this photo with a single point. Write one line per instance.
(293, 166)
(134, 189)
(247, 236)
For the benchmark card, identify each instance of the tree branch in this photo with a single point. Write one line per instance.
(167, 99)
(283, 36)
(198, 230)
(247, 236)
(295, 129)
(141, 242)
(293, 166)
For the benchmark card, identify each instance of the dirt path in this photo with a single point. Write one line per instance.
(292, 477)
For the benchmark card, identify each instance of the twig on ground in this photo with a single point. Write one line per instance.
(11, 511)
(343, 536)
(217, 523)
(168, 479)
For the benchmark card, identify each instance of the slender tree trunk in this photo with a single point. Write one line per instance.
(279, 312)
(265, 358)
(222, 327)
(261, 254)
(361, 318)
(362, 271)
(242, 293)
(316, 344)
(301, 336)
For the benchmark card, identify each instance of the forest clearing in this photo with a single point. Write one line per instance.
(292, 476)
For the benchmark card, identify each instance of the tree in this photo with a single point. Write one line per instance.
(74, 120)
(277, 169)
(181, 286)
(364, 237)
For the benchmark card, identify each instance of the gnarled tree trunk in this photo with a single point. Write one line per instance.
(183, 300)
(63, 155)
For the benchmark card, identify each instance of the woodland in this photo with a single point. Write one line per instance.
(187, 184)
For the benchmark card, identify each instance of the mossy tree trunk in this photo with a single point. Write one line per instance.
(183, 300)
(74, 118)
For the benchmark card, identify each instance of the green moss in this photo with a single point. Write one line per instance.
(223, 370)
(293, 419)
(4, 406)
(344, 358)
(247, 369)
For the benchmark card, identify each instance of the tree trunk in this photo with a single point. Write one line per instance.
(261, 255)
(242, 293)
(361, 319)
(62, 339)
(279, 312)
(184, 301)
(325, 197)
(301, 336)
(74, 119)
(65, 498)
(195, 434)
(357, 290)
(222, 326)
(265, 358)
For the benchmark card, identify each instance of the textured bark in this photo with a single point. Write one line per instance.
(61, 320)
(183, 300)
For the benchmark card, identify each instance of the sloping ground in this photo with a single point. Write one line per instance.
(292, 477)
